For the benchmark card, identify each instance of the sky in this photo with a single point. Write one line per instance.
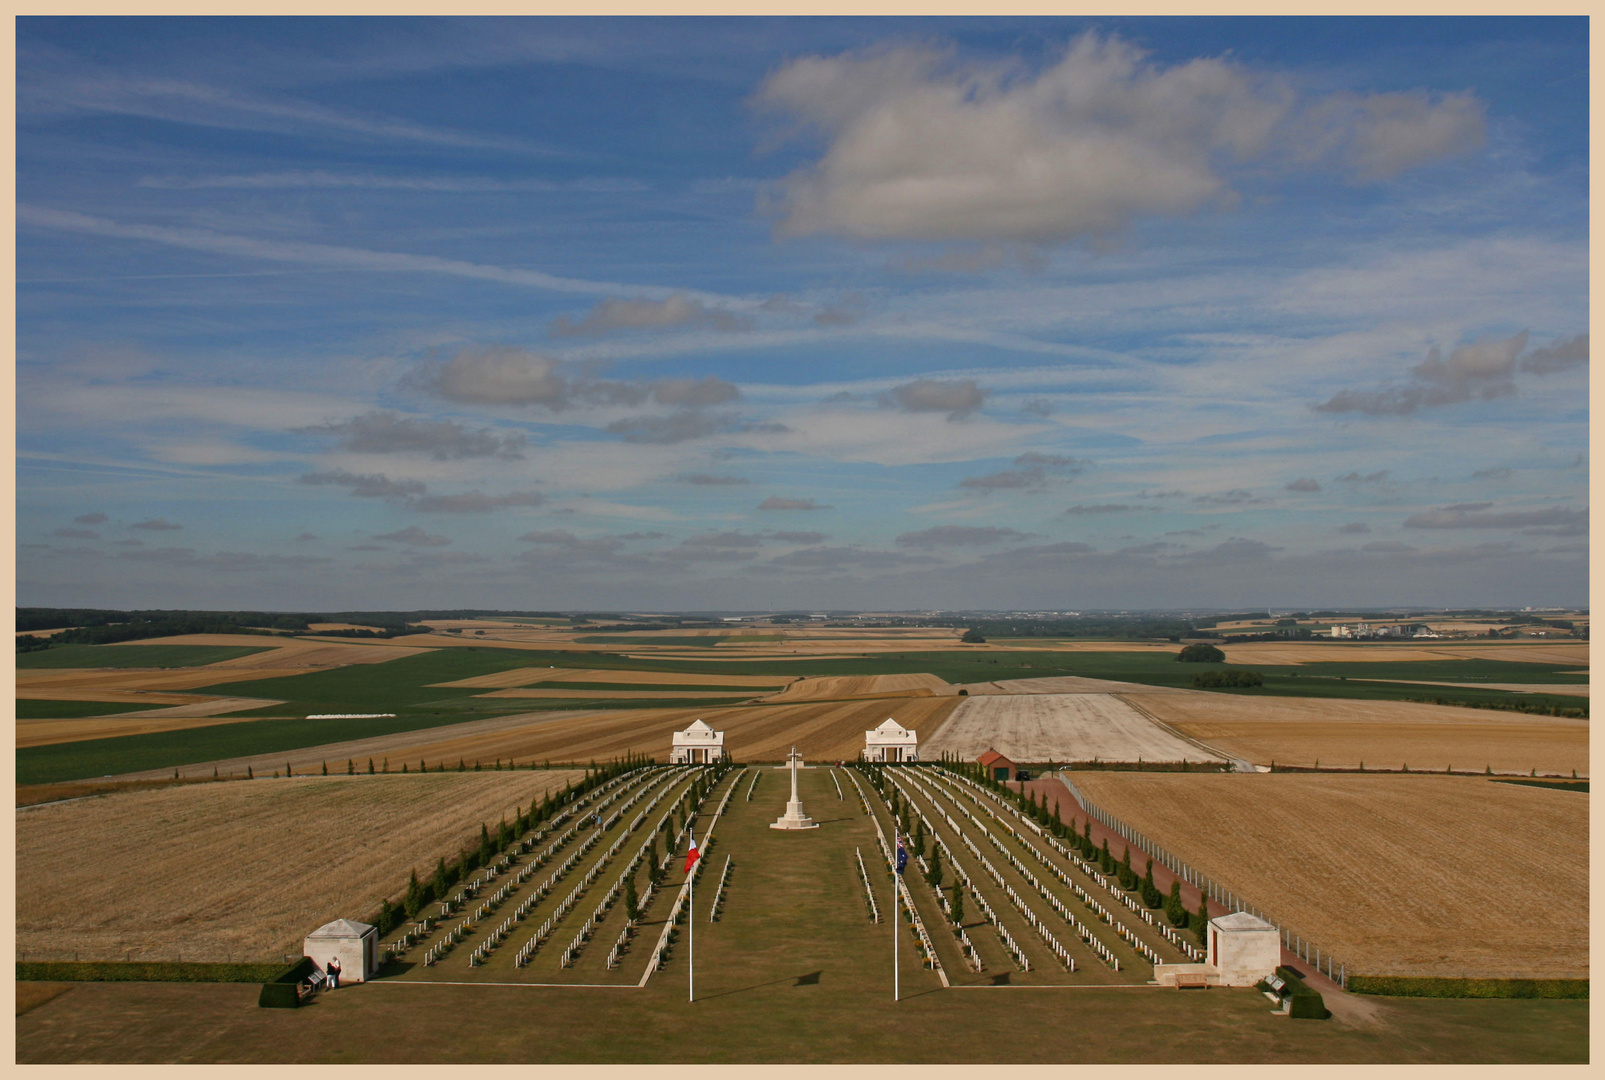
(765, 314)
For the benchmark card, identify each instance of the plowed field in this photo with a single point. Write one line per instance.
(819, 730)
(837, 687)
(244, 869)
(1057, 727)
(1381, 734)
(1397, 875)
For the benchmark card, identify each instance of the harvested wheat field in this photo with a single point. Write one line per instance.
(531, 676)
(1063, 684)
(1564, 689)
(297, 654)
(621, 694)
(1056, 727)
(243, 869)
(819, 730)
(1395, 875)
(1273, 653)
(46, 732)
(1344, 733)
(80, 684)
(836, 687)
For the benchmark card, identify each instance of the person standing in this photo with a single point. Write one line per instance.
(334, 973)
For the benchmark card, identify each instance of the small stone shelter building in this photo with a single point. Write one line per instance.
(355, 943)
(698, 744)
(996, 765)
(1243, 948)
(891, 742)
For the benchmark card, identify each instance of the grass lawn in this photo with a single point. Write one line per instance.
(794, 971)
(30, 709)
(132, 656)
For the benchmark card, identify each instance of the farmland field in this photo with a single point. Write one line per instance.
(147, 656)
(851, 686)
(1056, 727)
(244, 869)
(29, 709)
(1407, 875)
(1382, 735)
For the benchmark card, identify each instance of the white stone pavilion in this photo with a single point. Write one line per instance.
(354, 943)
(698, 744)
(891, 742)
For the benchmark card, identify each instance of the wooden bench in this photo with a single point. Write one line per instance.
(1185, 979)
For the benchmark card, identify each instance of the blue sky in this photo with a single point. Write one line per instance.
(775, 313)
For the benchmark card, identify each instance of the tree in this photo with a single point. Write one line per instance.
(630, 901)
(1106, 861)
(1128, 877)
(370, 766)
(1203, 920)
(415, 896)
(958, 903)
(1173, 906)
(439, 882)
(1201, 653)
(935, 877)
(1150, 892)
(973, 636)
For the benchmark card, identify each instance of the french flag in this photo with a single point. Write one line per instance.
(692, 855)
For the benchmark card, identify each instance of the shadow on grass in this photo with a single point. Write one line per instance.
(810, 979)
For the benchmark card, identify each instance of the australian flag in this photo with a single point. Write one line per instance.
(902, 855)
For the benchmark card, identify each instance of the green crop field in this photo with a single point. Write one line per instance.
(684, 641)
(30, 709)
(133, 656)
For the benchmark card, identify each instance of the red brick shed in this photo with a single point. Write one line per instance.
(996, 765)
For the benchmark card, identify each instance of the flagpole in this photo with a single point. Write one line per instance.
(691, 927)
(895, 913)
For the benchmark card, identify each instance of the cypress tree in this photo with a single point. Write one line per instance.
(936, 867)
(370, 766)
(351, 767)
(1173, 906)
(1106, 861)
(1127, 877)
(461, 767)
(958, 904)
(1150, 892)
(1203, 920)
(403, 766)
(249, 775)
(439, 880)
(415, 895)
(630, 900)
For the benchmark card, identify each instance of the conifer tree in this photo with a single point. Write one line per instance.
(415, 894)
(1150, 892)
(958, 903)
(936, 867)
(1203, 920)
(630, 901)
(1173, 906)
(439, 881)
(370, 766)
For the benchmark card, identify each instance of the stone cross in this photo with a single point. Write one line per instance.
(794, 818)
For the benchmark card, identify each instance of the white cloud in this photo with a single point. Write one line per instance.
(622, 313)
(922, 147)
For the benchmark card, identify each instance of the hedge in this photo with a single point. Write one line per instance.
(145, 971)
(281, 992)
(1438, 987)
(1307, 1002)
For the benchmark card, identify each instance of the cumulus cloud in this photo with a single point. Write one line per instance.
(1478, 371)
(956, 397)
(1029, 474)
(156, 525)
(682, 426)
(414, 493)
(413, 536)
(1234, 497)
(1303, 483)
(959, 536)
(380, 432)
(705, 480)
(1104, 508)
(475, 502)
(504, 375)
(91, 519)
(677, 311)
(366, 485)
(1550, 521)
(923, 147)
(1357, 477)
(1354, 528)
(1557, 357)
(829, 559)
(776, 502)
